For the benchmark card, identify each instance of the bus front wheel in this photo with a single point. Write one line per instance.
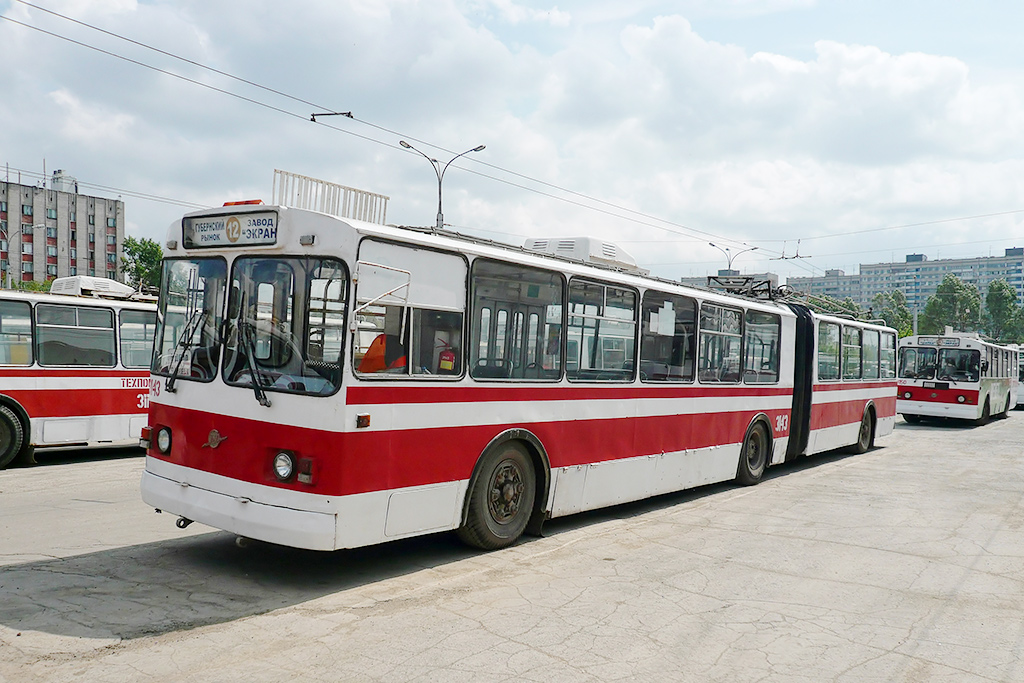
(986, 413)
(501, 499)
(12, 436)
(753, 455)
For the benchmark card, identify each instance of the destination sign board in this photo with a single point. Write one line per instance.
(238, 230)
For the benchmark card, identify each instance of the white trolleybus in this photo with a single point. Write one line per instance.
(958, 375)
(74, 366)
(325, 383)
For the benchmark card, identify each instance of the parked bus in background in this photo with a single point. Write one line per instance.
(958, 375)
(325, 383)
(74, 367)
(1020, 376)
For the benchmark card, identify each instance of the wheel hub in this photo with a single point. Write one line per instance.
(506, 493)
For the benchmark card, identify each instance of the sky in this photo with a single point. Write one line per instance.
(796, 135)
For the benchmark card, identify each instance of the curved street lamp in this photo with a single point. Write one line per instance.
(728, 255)
(440, 173)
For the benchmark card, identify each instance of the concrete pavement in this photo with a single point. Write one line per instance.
(901, 564)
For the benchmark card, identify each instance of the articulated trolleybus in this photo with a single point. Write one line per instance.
(958, 375)
(325, 383)
(74, 366)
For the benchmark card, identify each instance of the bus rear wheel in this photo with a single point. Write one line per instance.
(12, 436)
(753, 456)
(865, 435)
(501, 500)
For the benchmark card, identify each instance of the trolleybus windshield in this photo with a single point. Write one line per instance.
(286, 325)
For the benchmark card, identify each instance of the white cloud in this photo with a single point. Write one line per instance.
(646, 112)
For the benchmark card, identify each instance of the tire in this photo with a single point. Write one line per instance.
(753, 455)
(911, 419)
(1006, 408)
(12, 436)
(501, 500)
(865, 435)
(986, 414)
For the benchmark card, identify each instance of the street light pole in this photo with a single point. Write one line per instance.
(728, 255)
(439, 171)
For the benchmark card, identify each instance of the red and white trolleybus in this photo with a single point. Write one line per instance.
(74, 366)
(957, 375)
(325, 383)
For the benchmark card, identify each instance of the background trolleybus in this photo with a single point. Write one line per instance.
(325, 383)
(74, 370)
(958, 375)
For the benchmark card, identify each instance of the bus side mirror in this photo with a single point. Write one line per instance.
(984, 366)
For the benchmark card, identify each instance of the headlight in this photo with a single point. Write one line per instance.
(163, 440)
(960, 399)
(906, 394)
(284, 466)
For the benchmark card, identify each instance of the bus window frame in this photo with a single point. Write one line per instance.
(407, 311)
(630, 360)
(473, 330)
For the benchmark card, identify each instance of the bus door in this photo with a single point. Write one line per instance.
(803, 378)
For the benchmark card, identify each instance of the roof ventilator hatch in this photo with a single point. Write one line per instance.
(588, 250)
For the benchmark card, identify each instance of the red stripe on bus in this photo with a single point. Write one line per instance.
(79, 402)
(383, 395)
(856, 384)
(838, 413)
(358, 462)
(66, 372)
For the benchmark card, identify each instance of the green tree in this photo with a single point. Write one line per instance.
(955, 304)
(830, 304)
(141, 263)
(893, 309)
(33, 286)
(1002, 312)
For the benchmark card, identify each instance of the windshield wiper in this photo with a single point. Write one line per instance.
(248, 351)
(184, 342)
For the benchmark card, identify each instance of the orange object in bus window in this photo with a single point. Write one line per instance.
(385, 353)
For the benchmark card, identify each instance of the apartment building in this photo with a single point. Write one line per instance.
(50, 230)
(916, 277)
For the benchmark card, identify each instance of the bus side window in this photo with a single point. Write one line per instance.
(828, 351)
(379, 346)
(720, 344)
(603, 319)
(667, 338)
(410, 311)
(436, 342)
(15, 333)
(887, 356)
(851, 353)
(871, 357)
(73, 335)
(516, 323)
(136, 329)
(761, 347)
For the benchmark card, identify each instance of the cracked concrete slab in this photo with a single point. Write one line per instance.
(901, 564)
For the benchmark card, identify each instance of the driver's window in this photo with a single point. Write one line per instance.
(410, 309)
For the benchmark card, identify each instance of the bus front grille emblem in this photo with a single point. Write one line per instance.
(214, 439)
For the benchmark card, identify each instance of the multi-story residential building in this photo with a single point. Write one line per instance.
(916, 277)
(48, 232)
